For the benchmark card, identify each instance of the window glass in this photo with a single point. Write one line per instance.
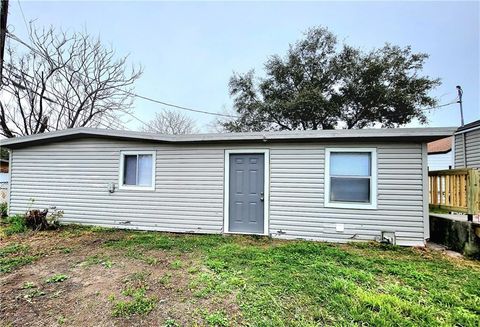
(137, 169)
(130, 170)
(350, 177)
(145, 169)
(350, 164)
(350, 189)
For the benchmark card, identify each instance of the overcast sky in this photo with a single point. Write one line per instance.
(189, 50)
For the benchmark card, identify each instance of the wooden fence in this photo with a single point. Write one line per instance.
(456, 190)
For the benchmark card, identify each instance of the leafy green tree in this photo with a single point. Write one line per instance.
(321, 85)
(4, 153)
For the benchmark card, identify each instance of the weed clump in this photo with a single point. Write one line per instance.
(57, 278)
(137, 303)
(36, 220)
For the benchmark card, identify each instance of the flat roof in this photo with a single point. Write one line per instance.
(470, 126)
(426, 134)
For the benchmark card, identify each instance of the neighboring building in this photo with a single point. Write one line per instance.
(440, 154)
(331, 185)
(467, 146)
(4, 165)
(4, 180)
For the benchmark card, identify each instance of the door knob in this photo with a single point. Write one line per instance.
(261, 196)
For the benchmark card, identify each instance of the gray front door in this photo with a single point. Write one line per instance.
(246, 193)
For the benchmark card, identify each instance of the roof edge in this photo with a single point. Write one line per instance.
(424, 134)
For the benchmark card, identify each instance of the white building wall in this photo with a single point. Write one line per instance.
(188, 197)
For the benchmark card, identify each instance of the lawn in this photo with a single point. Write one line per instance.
(89, 276)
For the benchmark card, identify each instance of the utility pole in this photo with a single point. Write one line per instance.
(464, 142)
(460, 94)
(3, 35)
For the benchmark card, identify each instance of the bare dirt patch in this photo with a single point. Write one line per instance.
(97, 277)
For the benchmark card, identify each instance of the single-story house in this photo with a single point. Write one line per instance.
(440, 154)
(328, 185)
(467, 146)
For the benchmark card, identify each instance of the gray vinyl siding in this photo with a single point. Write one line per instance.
(472, 144)
(188, 197)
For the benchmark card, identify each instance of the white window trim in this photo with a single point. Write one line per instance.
(373, 180)
(266, 189)
(121, 186)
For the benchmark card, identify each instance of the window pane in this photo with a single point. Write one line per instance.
(145, 170)
(350, 189)
(130, 170)
(350, 163)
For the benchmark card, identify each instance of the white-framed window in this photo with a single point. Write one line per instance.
(137, 170)
(351, 178)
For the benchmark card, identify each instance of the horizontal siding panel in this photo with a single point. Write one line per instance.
(472, 146)
(124, 204)
(298, 210)
(351, 214)
(149, 228)
(411, 221)
(74, 176)
(188, 196)
(369, 229)
(115, 211)
(166, 227)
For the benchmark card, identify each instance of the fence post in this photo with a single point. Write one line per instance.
(473, 189)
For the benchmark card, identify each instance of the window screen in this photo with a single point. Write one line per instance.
(350, 174)
(137, 169)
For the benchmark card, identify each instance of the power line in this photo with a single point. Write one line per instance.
(16, 38)
(57, 111)
(122, 124)
(440, 106)
(119, 124)
(177, 106)
(23, 15)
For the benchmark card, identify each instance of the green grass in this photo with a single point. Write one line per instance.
(137, 303)
(161, 241)
(28, 285)
(301, 283)
(307, 283)
(14, 256)
(217, 319)
(15, 224)
(58, 278)
(97, 260)
(283, 283)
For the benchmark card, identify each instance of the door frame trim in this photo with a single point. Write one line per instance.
(266, 188)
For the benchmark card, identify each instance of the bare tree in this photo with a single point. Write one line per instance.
(171, 122)
(64, 81)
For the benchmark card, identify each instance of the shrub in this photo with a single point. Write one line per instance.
(3, 210)
(40, 220)
(34, 219)
(15, 224)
